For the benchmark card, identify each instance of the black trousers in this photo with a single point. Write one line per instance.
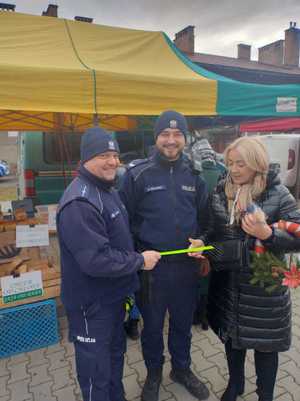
(266, 366)
(100, 343)
(174, 289)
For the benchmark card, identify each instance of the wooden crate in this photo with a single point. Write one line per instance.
(50, 277)
(45, 259)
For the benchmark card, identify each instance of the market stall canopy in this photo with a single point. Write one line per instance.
(281, 124)
(26, 120)
(52, 65)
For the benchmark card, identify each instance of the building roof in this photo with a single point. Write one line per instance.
(247, 70)
(239, 63)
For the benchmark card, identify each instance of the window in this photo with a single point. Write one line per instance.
(61, 147)
(134, 145)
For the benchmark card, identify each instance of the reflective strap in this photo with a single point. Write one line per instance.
(91, 389)
(86, 324)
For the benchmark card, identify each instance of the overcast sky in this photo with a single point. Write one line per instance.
(219, 24)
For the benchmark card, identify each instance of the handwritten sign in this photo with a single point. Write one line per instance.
(27, 285)
(52, 217)
(27, 236)
(5, 206)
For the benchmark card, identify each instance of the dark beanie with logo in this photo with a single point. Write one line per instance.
(96, 141)
(170, 119)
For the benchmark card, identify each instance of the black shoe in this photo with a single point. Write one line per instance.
(264, 396)
(232, 392)
(151, 387)
(204, 324)
(190, 382)
(196, 318)
(132, 329)
(241, 386)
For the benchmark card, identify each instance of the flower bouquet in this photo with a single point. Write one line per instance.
(271, 273)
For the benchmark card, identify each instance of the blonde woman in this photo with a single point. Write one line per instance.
(245, 316)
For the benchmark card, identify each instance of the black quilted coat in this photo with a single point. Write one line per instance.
(238, 310)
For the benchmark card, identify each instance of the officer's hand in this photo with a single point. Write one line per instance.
(150, 259)
(196, 243)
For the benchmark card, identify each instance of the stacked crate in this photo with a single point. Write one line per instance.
(43, 258)
(28, 323)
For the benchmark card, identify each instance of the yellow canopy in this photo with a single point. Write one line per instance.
(11, 120)
(51, 65)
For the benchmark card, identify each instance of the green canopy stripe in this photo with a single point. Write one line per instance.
(236, 98)
(242, 99)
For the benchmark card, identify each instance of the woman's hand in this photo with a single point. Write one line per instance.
(196, 243)
(256, 227)
(204, 267)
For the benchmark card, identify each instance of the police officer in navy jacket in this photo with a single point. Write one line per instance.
(99, 267)
(166, 201)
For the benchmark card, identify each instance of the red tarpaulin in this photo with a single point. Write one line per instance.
(282, 124)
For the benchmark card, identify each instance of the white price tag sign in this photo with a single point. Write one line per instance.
(52, 217)
(27, 285)
(286, 104)
(27, 236)
(5, 206)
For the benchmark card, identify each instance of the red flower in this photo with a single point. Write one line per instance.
(292, 277)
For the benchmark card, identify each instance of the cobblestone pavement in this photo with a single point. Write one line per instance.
(48, 374)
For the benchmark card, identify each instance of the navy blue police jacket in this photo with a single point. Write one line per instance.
(165, 201)
(98, 261)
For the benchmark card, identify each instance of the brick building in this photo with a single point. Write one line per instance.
(278, 62)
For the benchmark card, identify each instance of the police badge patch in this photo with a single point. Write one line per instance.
(188, 188)
(173, 124)
(111, 145)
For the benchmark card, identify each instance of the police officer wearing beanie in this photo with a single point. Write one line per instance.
(99, 267)
(166, 201)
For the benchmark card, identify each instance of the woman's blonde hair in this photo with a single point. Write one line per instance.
(255, 156)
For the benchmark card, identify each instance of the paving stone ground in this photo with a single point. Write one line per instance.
(48, 374)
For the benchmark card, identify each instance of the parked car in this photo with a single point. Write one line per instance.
(284, 150)
(4, 168)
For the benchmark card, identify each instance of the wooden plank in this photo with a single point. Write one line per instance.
(42, 264)
(53, 282)
(49, 274)
(16, 264)
(46, 274)
(11, 224)
(8, 238)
